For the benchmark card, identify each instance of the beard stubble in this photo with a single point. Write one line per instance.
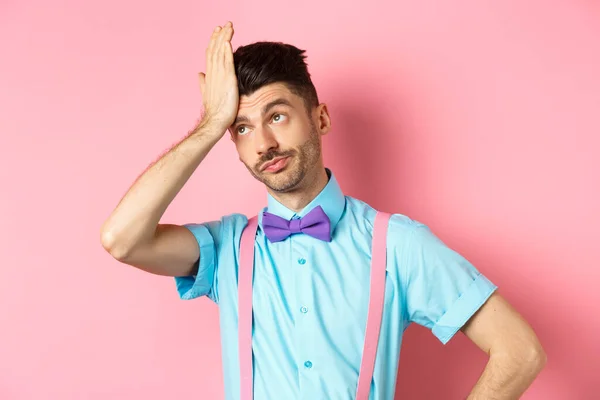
(303, 160)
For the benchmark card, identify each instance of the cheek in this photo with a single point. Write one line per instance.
(245, 152)
(292, 136)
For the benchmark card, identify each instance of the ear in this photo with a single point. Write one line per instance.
(323, 119)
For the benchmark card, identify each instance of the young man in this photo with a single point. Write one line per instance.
(312, 291)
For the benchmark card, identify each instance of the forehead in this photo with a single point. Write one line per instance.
(254, 102)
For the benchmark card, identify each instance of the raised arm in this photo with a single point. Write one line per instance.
(132, 233)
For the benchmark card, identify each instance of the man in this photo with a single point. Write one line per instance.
(310, 290)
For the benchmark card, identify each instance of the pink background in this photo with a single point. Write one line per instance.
(480, 119)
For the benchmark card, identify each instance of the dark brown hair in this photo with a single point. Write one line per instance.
(263, 63)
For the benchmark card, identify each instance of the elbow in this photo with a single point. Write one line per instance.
(538, 358)
(536, 355)
(533, 359)
(529, 359)
(114, 246)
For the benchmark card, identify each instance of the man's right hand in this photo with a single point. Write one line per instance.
(219, 85)
(132, 233)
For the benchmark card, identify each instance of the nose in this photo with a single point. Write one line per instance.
(264, 140)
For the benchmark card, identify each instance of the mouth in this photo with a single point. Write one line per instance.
(275, 164)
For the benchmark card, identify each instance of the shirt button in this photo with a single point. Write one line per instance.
(301, 261)
(303, 310)
(308, 364)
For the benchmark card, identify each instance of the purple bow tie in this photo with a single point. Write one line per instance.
(315, 223)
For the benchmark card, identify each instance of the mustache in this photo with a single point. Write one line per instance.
(271, 155)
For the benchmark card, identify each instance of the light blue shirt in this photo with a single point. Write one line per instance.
(310, 298)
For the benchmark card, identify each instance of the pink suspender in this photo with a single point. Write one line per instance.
(245, 307)
(376, 299)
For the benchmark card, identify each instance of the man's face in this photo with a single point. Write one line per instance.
(273, 125)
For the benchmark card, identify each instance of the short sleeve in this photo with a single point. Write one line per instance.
(203, 283)
(443, 289)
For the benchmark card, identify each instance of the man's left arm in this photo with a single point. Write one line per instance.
(516, 356)
(444, 292)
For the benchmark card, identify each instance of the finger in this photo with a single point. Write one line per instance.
(228, 55)
(211, 49)
(229, 45)
(230, 32)
(202, 81)
(228, 48)
(215, 61)
(227, 30)
(219, 49)
(213, 39)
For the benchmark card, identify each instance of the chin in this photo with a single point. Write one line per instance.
(285, 180)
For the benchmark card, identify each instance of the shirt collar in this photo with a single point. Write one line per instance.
(331, 199)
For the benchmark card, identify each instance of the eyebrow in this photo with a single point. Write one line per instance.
(266, 108)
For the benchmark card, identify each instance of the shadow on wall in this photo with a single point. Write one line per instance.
(358, 148)
(369, 149)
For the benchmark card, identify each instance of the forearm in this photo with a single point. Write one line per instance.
(507, 376)
(137, 215)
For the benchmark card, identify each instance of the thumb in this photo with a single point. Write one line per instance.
(202, 79)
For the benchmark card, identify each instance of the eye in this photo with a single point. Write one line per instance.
(241, 130)
(278, 117)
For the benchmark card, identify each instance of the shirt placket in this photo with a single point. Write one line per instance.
(305, 358)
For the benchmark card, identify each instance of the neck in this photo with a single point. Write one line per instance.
(298, 198)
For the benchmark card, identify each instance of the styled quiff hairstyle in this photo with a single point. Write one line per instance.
(263, 63)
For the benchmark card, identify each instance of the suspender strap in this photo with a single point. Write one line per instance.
(246, 268)
(376, 300)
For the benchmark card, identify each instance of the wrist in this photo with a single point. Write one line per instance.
(210, 127)
(216, 121)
